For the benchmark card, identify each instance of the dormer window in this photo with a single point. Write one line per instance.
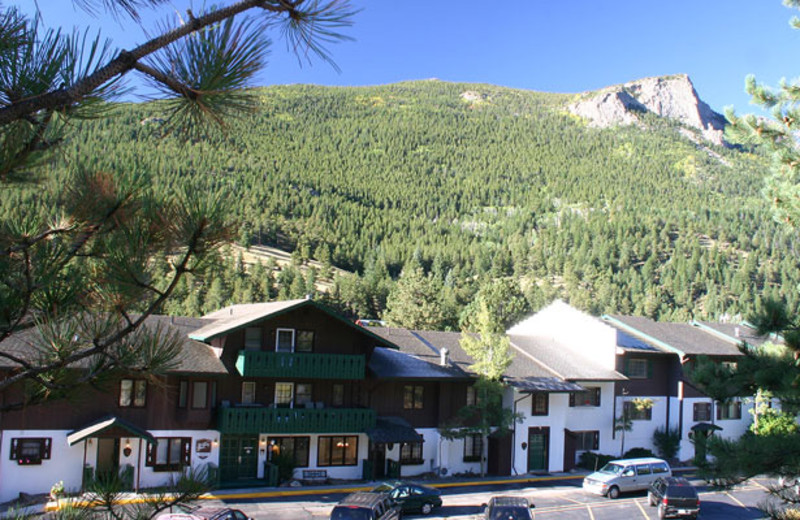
(284, 340)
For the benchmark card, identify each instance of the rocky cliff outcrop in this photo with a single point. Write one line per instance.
(672, 97)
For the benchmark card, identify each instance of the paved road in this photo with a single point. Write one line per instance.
(561, 500)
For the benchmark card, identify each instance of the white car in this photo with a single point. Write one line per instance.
(626, 475)
(206, 513)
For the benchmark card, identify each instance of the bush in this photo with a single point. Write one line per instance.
(286, 465)
(593, 461)
(638, 453)
(667, 442)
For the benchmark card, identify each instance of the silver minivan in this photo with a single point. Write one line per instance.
(626, 475)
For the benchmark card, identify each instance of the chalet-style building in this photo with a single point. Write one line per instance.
(352, 402)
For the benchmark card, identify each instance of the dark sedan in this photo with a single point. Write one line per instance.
(412, 496)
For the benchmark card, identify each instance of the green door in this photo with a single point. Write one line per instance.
(238, 458)
(538, 443)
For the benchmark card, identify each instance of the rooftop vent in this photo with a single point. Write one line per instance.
(444, 357)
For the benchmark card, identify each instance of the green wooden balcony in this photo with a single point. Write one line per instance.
(299, 364)
(295, 420)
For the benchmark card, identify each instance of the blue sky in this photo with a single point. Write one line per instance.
(552, 46)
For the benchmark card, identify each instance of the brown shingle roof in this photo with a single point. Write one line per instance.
(682, 338)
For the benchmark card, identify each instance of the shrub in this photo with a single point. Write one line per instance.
(594, 461)
(638, 453)
(667, 442)
(286, 465)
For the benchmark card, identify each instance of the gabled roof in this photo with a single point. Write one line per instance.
(194, 357)
(679, 338)
(235, 317)
(419, 354)
(387, 363)
(736, 333)
(562, 361)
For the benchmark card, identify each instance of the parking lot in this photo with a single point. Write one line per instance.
(554, 501)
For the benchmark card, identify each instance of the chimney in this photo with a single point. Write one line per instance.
(444, 357)
(736, 332)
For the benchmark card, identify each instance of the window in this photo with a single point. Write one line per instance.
(284, 340)
(132, 393)
(169, 453)
(337, 398)
(183, 393)
(701, 412)
(659, 468)
(411, 453)
(305, 341)
(589, 397)
(296, 447)
(29, 451)
(730, 365)
(200, 394)
(302, 394)
(729, 410)
(248, 392)
(284, 394)
(337, 451)
(637, 368)
(637, 414)
(539, 403)
(643, 469)
(471, 396)
(473, 448)
(587, 440)
(412, 397)
(252, 338)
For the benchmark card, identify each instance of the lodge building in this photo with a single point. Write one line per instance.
(349, 402)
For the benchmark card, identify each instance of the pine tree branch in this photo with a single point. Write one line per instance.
(127, 60)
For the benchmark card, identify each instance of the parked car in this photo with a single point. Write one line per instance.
(675, 497)
(412, 496)
(206, 513)
(508, 508)
(626, 475)
(365, 505)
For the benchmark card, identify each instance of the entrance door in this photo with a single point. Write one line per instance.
(107, 457)
(377, 455)
(238, 458)
(538, 448)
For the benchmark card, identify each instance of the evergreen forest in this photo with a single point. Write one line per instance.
(429, 196)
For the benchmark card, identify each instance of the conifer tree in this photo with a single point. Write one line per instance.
(83, 279)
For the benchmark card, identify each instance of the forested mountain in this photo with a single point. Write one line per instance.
(460, 183)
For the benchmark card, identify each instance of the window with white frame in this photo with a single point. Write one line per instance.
(132, 393)
(284, 394)
(284, 340)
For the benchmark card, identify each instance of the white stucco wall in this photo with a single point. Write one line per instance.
(150, 478)
(65, 464)
(430, 454)
(642, 434)
(340, 472)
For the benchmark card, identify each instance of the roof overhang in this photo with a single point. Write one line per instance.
(109, 427)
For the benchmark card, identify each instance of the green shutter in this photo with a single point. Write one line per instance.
(649, 368)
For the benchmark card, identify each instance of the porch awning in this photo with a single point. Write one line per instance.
(393, 429)
(111, 427)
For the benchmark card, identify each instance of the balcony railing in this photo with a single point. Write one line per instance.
(295, 420)
(298, 364)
